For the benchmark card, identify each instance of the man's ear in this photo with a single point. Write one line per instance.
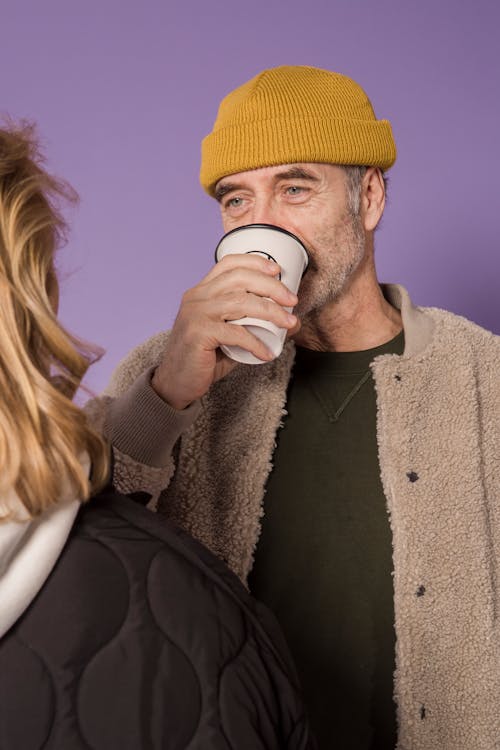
(372, 198)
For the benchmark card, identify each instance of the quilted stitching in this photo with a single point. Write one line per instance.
(142, 639)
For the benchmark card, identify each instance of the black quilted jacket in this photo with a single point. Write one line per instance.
(141, 639)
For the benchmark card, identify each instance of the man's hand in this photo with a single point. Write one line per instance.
(237, 286)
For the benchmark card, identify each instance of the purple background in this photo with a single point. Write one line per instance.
(123, 93)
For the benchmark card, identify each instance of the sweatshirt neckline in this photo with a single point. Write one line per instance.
(308, 360)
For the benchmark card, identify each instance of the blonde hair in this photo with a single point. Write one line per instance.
(42, 433)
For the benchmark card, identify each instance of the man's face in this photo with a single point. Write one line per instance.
(309, 200)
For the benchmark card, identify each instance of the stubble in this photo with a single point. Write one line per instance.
(334, 257)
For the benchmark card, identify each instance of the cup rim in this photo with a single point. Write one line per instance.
(262, 226)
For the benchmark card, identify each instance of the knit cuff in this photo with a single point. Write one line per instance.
(143, 426)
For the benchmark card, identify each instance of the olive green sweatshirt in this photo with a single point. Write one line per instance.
(323, 562)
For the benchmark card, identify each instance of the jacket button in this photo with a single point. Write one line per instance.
(412, 476)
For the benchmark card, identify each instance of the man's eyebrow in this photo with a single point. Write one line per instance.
(224, 188)
(295, 173)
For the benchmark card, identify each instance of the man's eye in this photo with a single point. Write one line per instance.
(294, 190)
(234, 202)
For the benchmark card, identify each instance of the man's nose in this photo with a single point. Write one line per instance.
(264, 212)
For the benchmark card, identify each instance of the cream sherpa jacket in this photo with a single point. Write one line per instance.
(439, 452)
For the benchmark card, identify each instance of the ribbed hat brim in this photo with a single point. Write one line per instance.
(251, 145)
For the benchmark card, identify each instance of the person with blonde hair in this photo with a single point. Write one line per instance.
(117, 630)
(46, 443)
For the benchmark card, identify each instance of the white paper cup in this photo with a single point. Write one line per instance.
(289, 253)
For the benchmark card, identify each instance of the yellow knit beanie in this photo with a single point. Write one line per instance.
(295, 114)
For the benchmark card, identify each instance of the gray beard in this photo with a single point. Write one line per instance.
(320, 286)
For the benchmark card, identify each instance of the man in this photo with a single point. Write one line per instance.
(376, 543)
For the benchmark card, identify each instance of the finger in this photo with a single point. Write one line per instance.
(239, 305)
(230, 334)
(253, 261)
(249, 281)
(296, 328)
